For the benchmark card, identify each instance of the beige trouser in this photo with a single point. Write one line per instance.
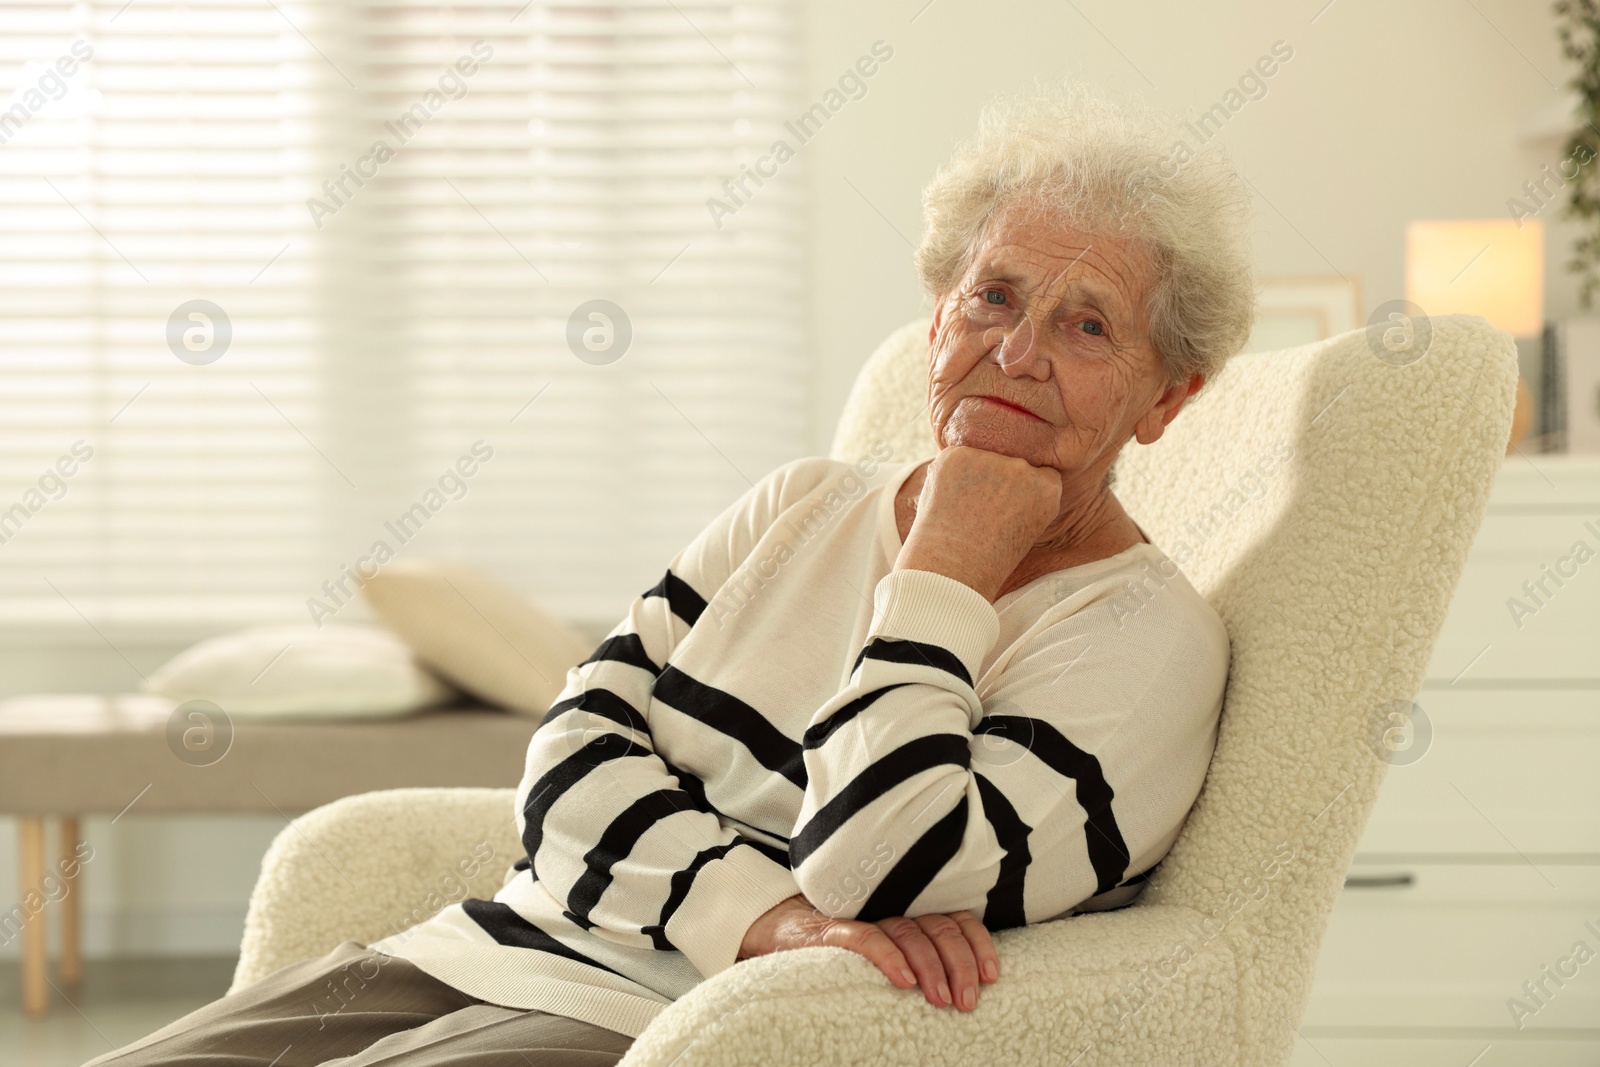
(354, 1008)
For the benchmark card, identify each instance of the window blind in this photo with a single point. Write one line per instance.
(390, 212)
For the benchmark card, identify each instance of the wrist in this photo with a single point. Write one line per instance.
(759, 938)
(953, 563)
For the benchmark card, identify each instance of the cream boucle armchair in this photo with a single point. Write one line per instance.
(1323, 500)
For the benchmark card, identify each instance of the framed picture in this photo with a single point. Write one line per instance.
(1296, 309)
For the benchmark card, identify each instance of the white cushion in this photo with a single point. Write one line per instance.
(301, 671)
(477, 632)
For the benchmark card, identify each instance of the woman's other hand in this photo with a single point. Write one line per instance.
(949, 956)
(978, 516)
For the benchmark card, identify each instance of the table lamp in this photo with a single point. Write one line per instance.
(1488, 267)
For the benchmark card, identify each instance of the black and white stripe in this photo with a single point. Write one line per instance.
(900, 765)
(503, 924)
(683, 880)
(623, 648)
(1004, 906)
(918, 653)
(681, 598)
(918, 867)
(818, 735)
(1108, 852)
(556, 782)
(732, 717)
(616, 842)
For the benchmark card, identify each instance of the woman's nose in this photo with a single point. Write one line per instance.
(1012, 343)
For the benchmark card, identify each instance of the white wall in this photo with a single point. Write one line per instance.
(1386, 113)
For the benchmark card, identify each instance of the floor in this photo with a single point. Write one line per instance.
(119, 1001)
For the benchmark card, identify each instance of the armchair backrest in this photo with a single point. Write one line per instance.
(1323, 500)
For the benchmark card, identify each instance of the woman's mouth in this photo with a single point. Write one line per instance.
(1010, 406)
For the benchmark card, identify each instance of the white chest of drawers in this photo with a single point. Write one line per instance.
(1469, 928)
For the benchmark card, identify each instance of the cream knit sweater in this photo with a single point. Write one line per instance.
(784, 713)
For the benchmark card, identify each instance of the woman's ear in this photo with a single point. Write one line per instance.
(1149, 428)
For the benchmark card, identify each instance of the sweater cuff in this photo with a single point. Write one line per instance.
(727, 897)
(935, 609)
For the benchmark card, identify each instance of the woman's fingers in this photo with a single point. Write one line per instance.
(868, 940)
(948, 956)
(958, 956)
(982, 944)
(924, 959)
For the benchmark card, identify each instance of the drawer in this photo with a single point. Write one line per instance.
(1557, 631)
(1504, 771)
(1451, 946)
(1315, 1049)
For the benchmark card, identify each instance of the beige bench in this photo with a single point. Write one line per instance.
(68, 756)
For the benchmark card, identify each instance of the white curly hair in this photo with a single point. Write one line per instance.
(1108, 167)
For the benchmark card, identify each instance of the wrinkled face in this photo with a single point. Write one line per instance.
(1041, 351)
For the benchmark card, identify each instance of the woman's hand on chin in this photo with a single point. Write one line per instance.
(978, 516)
(949, 956)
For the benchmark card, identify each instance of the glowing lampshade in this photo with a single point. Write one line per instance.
(1485, 267)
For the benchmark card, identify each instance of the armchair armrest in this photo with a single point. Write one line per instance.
(1134, 986)
(368, 866)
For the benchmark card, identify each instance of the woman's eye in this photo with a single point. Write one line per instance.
(994, 296)
(1092, 327)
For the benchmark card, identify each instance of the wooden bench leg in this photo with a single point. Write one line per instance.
(30, 872)
(71, 921)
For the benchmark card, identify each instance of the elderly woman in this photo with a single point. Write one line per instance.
(885, 707)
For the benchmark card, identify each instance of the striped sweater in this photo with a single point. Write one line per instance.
(784, 713)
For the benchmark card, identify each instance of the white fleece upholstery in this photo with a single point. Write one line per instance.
(1332, 567)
